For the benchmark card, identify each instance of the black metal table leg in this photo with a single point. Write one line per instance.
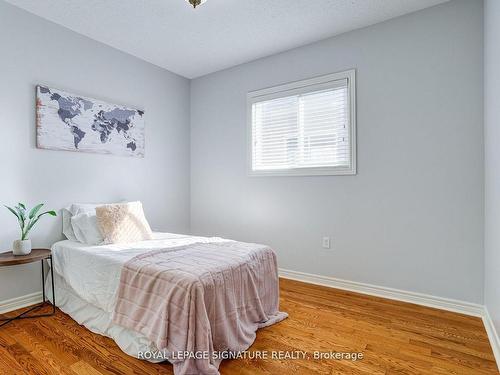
(53, 289)
(23, 315)
(43, 282)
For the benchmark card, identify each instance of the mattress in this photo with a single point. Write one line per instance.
(93, 272)
(98, 321)
(87, 279)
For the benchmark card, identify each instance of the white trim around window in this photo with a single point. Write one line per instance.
(294, 97)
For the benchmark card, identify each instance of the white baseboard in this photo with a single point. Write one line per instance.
(384, 292)
(20, 302)
(492, 335)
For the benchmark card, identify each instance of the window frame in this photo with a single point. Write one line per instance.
(298, 87)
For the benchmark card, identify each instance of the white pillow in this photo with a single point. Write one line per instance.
(66, 221)
(84, 208)
(86, 229)
(72, 210)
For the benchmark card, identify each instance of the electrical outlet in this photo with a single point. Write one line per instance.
(326, 242)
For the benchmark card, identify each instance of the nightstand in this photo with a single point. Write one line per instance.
(9, 259)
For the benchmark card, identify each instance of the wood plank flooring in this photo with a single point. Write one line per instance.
(394, 337)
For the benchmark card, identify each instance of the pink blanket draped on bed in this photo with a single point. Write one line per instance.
(203, 299)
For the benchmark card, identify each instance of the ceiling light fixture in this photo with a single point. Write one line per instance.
(195, 3)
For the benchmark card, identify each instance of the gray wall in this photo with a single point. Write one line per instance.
(413, 216)
(36, 51)
(492, 159)
(411, 219)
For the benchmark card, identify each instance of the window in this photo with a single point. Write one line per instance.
(304, 128)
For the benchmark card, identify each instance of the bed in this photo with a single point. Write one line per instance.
(171, 295)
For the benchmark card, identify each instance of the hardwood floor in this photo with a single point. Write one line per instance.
(394, 337)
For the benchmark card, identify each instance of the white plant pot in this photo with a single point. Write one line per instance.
(21, 247)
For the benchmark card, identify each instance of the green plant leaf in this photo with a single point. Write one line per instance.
(35, 210)
(19, 220)
(21, 212)
(51, 213)
(33, 221)
(21, 208)
(14, 212)
(31, 224)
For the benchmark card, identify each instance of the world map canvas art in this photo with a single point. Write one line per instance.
(75, 123)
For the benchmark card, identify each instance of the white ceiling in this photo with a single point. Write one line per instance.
(218, 34)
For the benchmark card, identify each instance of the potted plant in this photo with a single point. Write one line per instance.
(26, 222)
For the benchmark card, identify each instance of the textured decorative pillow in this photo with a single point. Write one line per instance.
(123, 222)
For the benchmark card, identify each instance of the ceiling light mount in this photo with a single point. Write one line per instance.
(195, 3)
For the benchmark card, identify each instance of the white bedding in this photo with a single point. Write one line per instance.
(93, 272)
(98, 321)
(87, 279)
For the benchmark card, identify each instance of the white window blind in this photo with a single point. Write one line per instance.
(303, 129)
